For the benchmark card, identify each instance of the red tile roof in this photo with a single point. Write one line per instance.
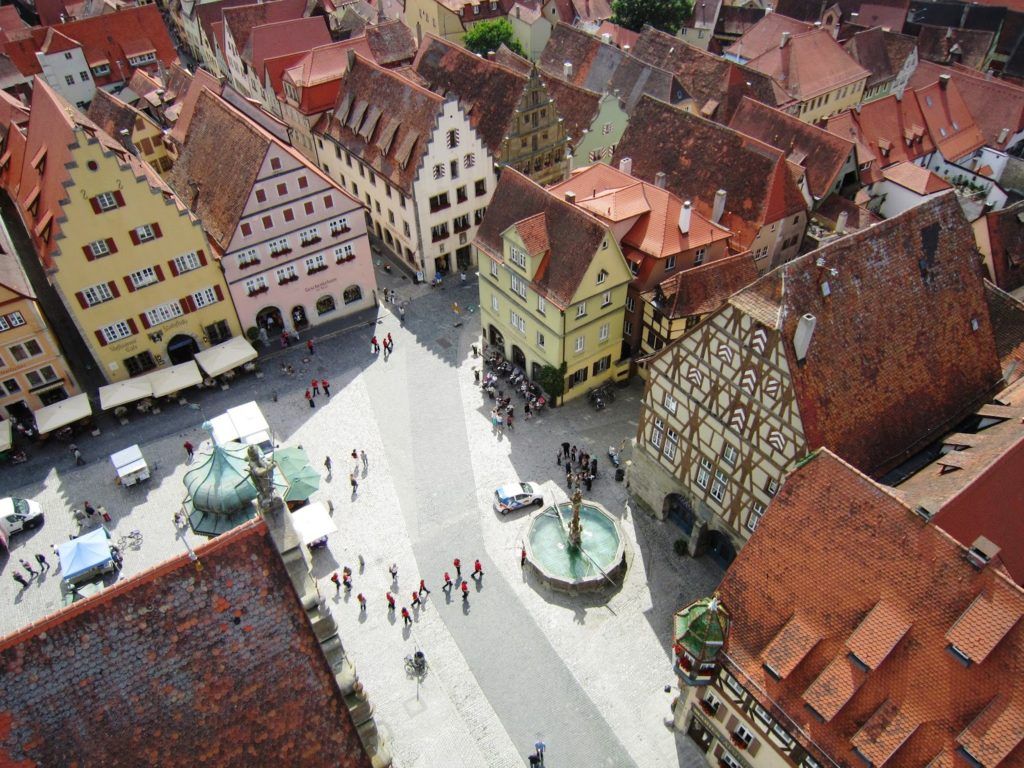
(183, 107)
(887, 130)
(789, 647)
(207, 14)
(317, 74)
(699, 157)
(912, 365)
(809, 65)
(949, 120)
(880, 52)
(946, 45)
(915, 178)
(618, 36)
(765, 35)
(1006, 244)
(575, 105)
(701, 290)
(821, 153)
(241, 20)
(179, 667)
(284, 37)
(1007, 315)
(391, 43)
(920, 701)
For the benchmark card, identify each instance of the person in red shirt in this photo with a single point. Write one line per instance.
(391, 601)
(405, 616)
(465, 591)
(458, 568)
(477, 570)
(447, 581)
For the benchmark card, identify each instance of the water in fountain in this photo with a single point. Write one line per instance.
(550, 543)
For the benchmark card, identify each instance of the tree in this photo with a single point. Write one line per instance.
(552, 381)
(487, 36)
(666, 15)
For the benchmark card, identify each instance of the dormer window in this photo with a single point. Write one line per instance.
(959, 655)
(518, 257)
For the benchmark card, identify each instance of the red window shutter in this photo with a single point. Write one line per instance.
(202, 256)
(174, 268)
(145, 320)
(268, 222)
(129, 284)
(132, 326)
(302, 182)
(111, 245)
(261, 196)
(95, 202)
(288, 215)
(156, 230)
(101, 338)
(246, 230)
(191, 303)
(309, 208)
(733, 722)
(134, 236)
(219, 292)
(88, 252)
(282, 189)
(328, 201)
(718, 750)
(159, 272)
(113, 289)
(184, 305)
(119, 197)
(81, 300)
(753, 747)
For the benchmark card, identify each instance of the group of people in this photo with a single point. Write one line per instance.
(388, 344)
(314, 389)
(580, 466)
(43, 564)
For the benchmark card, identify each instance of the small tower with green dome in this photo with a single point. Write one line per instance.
(700, 633)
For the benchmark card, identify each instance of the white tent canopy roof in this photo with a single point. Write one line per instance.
(313, 522)
(122, 392)
(63, 413)
(167, 381)
(232, 353)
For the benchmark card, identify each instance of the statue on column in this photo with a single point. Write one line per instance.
(262, 474)
(575, 526)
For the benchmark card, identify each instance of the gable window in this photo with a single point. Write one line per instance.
(657, 433)
(606, 298)
(755, 516)
(261, 196)
(517, 257)
(275, 163)
(698, 257)
(494, 269)
(145, 58)
(670, 263)
(579, 343)
(101, 69)
(704, 473)
(634, 267)
(601, 276)
(542, 304)
(518, 286)
(718, 487)
(581, 310)
(454, 165)
(604, 332)
(282, 189)
(439, 171)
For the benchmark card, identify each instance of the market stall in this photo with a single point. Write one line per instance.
(124, 392)
(169, 381)
(226, 356)
(62, 413)
(130, 466)
(313, 524)
(85, 557)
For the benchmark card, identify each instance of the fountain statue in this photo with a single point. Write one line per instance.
(262, 474)
(575, 526)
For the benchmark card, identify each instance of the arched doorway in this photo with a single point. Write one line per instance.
(270, 320)
(677, 510)
(181, 348)
(352, 294)
(720, 548)
(495, 337)
(299, 319)
(325, 304)
(518, 357)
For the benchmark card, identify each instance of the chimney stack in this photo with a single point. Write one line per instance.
(570, 197)
(659, 179)
(944, 81)
(684, 218)
(841, 222)
(567, 69)
(802, 336)
(784, 40)
(626, 165)
(718, 209)
(626, 48)
(606, 37)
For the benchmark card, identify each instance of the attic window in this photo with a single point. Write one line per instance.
(975, 324)
(101, 69)
(275, 163)
(959, 655)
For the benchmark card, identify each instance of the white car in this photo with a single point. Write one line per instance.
(18, 515)
(515, 496)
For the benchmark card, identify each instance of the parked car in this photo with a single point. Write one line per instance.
(18, 515)
(514, 496)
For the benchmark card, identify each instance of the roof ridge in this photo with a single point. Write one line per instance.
(406, 82)
(469, 54)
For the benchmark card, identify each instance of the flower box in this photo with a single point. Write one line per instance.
(311, 241)
(738, 742)
(340, 232)
(282, 252)
(247, 264)
(286, 280)
(258, 291)
(706, 706)
(314, 270)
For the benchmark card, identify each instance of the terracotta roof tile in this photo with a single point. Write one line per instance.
(208, 14)
(877, 634)
(201, 81)
(391, 43)
(857, 217)
(889, 555)
(949, 120)
(241, 20)
(111, 114)
(1006, 244)
(986, 621)
(765, 35)
(881, 52)
(1007, 315)
(284, 37)
(915, 178)
(810, 64)
(887, 130)
(508, 58)
(179, 667)
(703, 289)
(619, 36)
(575, 105)
(996, 732)
(945, 45)
(573, 235)
(823, 154)
(789, 647)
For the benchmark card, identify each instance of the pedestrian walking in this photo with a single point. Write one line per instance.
(593, 467)
(391, 343)
(327, 465)
(393, 570)
(416, 599)
(477, 570)
(374, 346)
(539, 748)
(573, 454)
(27, 566)
(401, 315)
(314, 385)
(458, 568)
(90, 510)
(366, 461)
(20, 579)
(355, 454)
(423, 587)
(508, 422)
(527, 411)
(79, 461)
(565, 450)
(405, 616)
(558, 458)
(568, 475)
(447, 581)
(346, 578)
(284, 339)
(391, 602)
(522, 557)
(362, 602)
(189, 452)
(42, 562)
(465, 591)
(309, 398)
(354, 483)
(337, 582)
(326, 387)
(309, 346)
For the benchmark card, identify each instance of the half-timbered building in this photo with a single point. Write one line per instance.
(871, 346)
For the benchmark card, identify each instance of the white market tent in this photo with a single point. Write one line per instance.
(63, 413)
(5, 435)
(167, 381)
(123, 392)
(232, 353)
(128, 461)
(239, 423)
(313, 522)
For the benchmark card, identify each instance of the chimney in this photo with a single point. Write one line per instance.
(626, 48)
(784, 40)
(719, 206)
(659, 179)
(1003, 133)
(626, 165)
(802, 336)
(684, 217)
(841, 222)
(606, 37)
(943, 81)
(567, 69)
(570, 197)
(981, 552)
(517, 12)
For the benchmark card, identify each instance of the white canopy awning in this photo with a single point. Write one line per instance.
(5, 435)
(167, 381)
(313, 522)
(63, 413)
(128, 460)
(113, 395)
(223, 357)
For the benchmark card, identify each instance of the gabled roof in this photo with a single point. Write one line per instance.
(183, 107)
(949, 120)
(857, 216)
(489, 93)
(1006, 241)
(573, 235)
(888, 130)
(946, 45)
(241, 20)
(809, 65)
(699, 157)
(317, 74)
(915, 178)
(210, 13)
(575, 105)
(618, 36)
(1007, 315)
(284, 37)
(881, 52)
(765, 35)
(230, 640)
(902, 346)
(391, 43)
(113, 37)
(57, 42)
(823, 154)
(113, 115)
(703, 289)
(508, 58)
(384, 119)
(919, 702)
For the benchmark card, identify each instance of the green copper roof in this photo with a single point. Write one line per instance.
(220, 483)
(702, 627)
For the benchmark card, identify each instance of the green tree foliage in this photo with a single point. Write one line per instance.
(666, 15)
(488, 36)
(552, 380)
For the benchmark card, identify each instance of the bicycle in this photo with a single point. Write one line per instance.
(131, 539)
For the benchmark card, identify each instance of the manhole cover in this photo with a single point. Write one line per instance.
(443, 343)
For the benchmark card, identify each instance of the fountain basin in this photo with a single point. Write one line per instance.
(601, 563)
